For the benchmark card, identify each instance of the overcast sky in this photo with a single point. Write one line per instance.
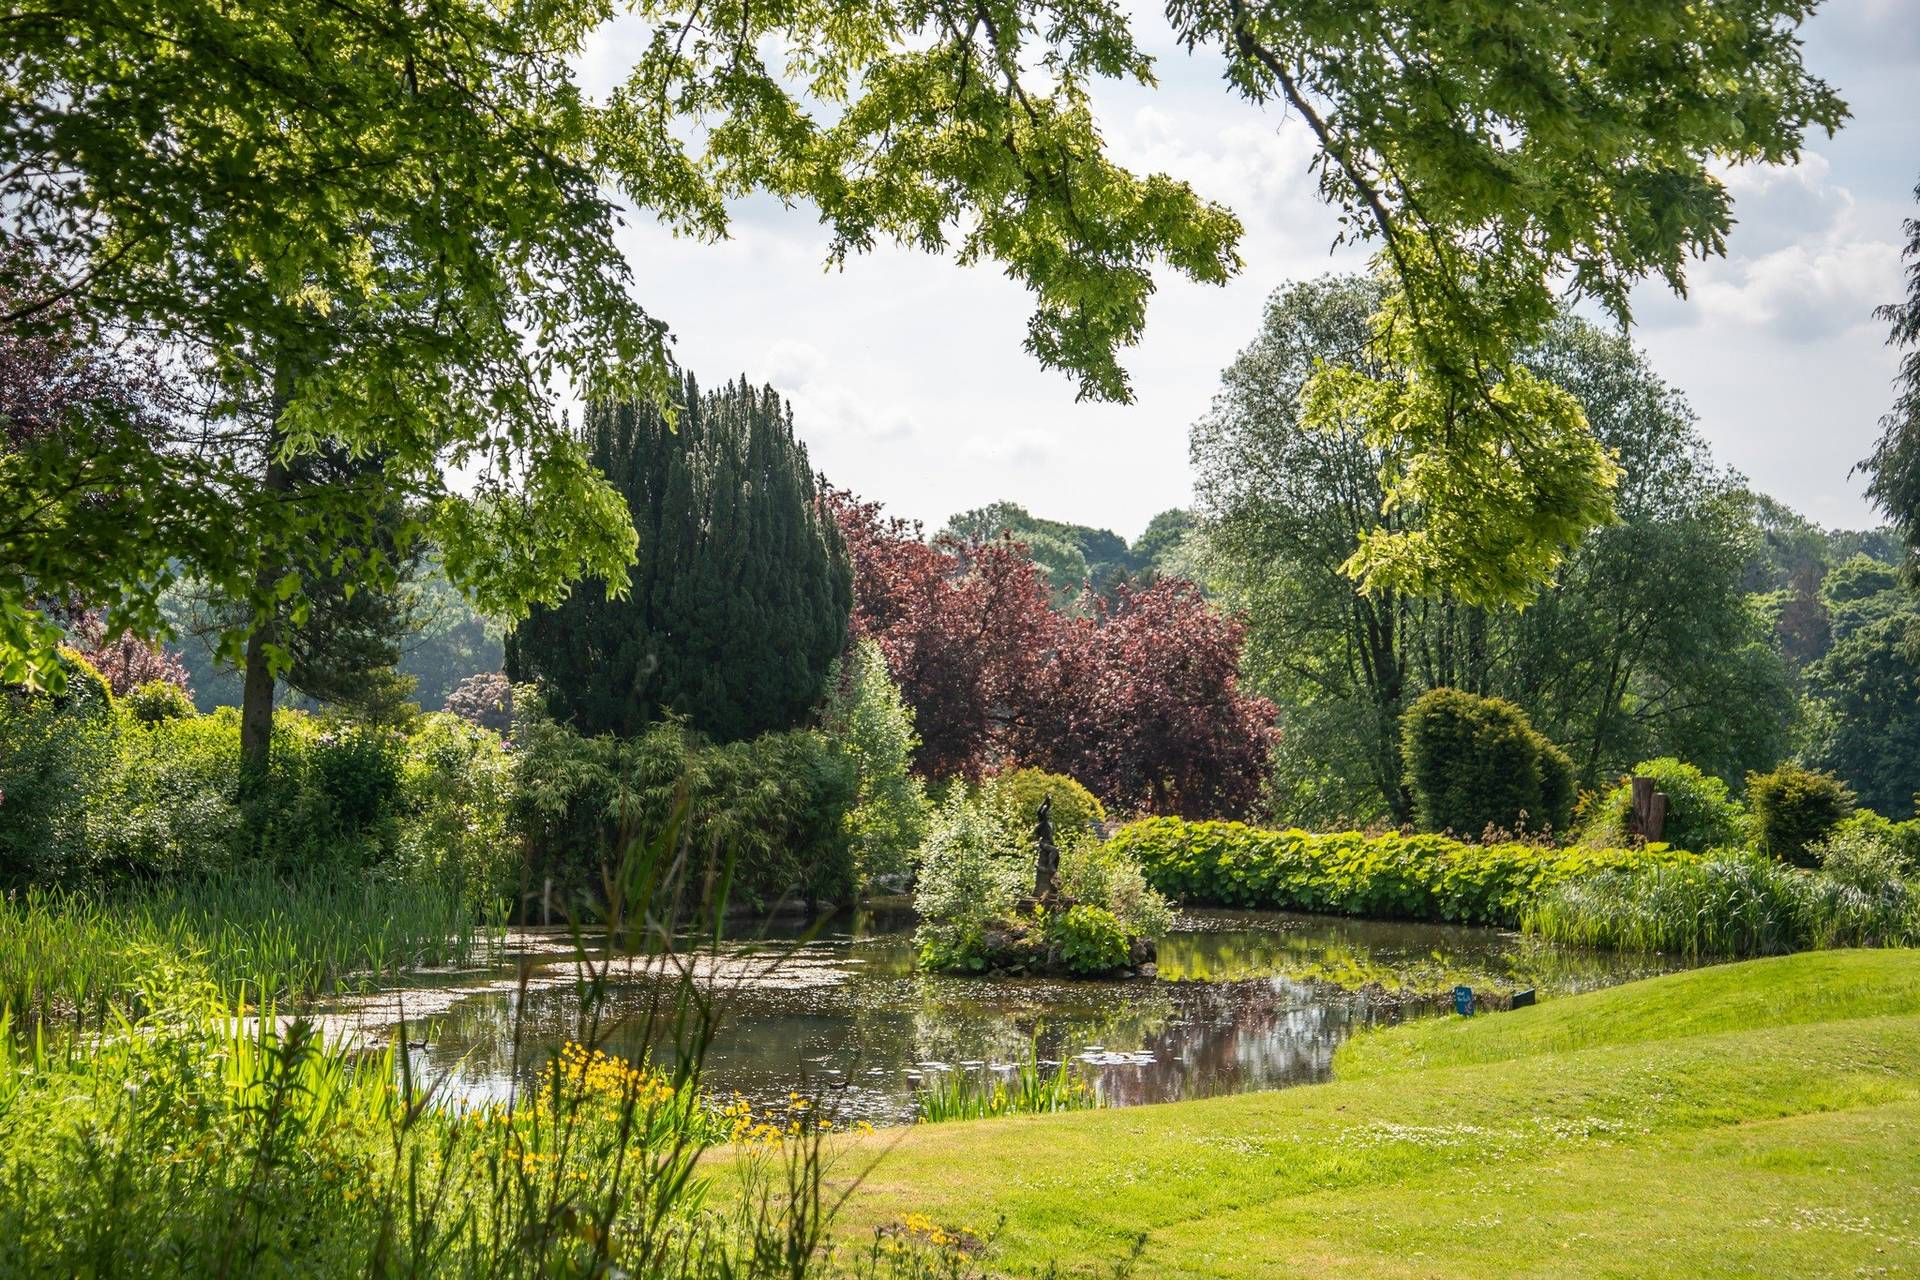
(910, 384)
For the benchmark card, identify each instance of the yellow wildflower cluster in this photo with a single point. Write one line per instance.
(796, 1116)
(919, 1224)
(601, 1075)
(924, 1247)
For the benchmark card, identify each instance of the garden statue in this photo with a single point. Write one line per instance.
(1048, 865)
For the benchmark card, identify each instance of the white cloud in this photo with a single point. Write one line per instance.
(1800, 264)
(1026, 446)
(1803, 291)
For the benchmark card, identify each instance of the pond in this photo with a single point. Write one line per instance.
(1242, 1000)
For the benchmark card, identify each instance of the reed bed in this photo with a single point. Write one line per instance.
(75, 956)
(1734, 905)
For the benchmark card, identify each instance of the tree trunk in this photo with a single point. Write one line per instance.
(256, 698)
(256, 711)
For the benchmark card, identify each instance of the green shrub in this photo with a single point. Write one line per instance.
(1101, 872)
(1794, 809)
(168, 808)
(101, 791)
(873, 725)
(331, 801)
(973, 869)
(1902, 839)
(458, 782)
(358, 772)
(1018, 793)
(87, 692)
(1421, 877)
(57, 758)
(1701, 813)
(1855, 857)
(775, 807)
(1088, 940)
(1475, 767)
(157, 700)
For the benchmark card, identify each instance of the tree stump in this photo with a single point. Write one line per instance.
(1648, 819)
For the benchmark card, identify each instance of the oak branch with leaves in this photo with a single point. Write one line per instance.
(391, 227)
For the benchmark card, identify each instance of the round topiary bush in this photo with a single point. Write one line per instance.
(1795, 809)
(1017, 794)
(87, 692)
(1701, 813)
(1476, 765)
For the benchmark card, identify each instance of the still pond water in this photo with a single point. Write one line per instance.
(1242, 1000)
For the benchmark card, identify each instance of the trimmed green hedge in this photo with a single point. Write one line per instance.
(1421, 877)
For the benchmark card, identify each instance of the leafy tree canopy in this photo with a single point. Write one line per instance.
(1075, 557)
(391, 227)
(1646, 643)
(1866, 686)
(1494, 483)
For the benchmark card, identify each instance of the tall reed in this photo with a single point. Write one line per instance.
(1732, 905)
(71, 956)
(1029, 1089)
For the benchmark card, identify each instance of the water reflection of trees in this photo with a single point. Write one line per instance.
(1396, 956)
(1265, 1016)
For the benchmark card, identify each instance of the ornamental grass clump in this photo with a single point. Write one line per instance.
(88, 960)
(1029, 1088)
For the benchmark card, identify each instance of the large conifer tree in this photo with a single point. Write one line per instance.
(740, 595)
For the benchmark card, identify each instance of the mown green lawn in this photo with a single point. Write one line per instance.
(1760, 1119)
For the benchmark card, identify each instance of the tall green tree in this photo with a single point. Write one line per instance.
(1645, 643)
(1075, 557)
(1158, 548)
(1791, 561)
(1893, 469)
(1867, 686)
(873, 725)
(391, 226)
(1496, 478)
(1054, 546)
(739, 599)
(377, 231)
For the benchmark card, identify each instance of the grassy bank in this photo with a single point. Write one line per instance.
(1760, 1118)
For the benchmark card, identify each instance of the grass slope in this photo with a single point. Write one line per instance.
(1760, 1118)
